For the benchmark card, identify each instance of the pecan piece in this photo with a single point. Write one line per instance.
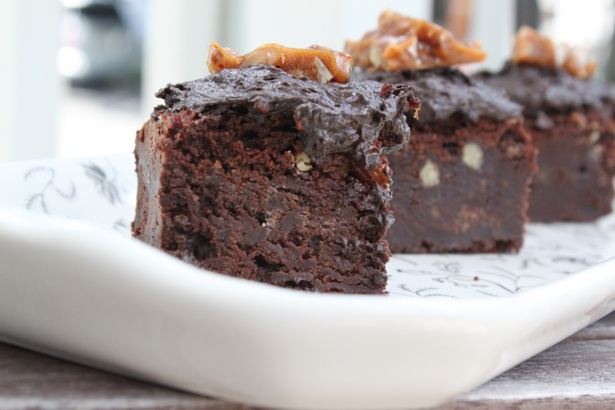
(532, 48)
(316, 62)
(405, 43)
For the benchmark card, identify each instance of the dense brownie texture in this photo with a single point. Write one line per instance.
(461, 184)
(571, 123)
(260, 175)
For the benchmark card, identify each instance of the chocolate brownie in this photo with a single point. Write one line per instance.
(571, 123)
(461, 184)
(260, 175)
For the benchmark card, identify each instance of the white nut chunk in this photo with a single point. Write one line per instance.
(303, 162)
(430, 174)
(472, 155)
(323, 74)
(594, 137)
(513, 151)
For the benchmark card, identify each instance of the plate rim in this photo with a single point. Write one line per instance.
(506, 327)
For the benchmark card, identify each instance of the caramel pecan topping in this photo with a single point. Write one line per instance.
(316, 62)
(532, 48)
(405, 43)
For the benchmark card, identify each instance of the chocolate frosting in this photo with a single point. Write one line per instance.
(447, 92)
(331, 118)
(545, 90)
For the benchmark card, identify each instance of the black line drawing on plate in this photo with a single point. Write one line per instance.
(525, 264)
(121, 225)
(104, 183)
(48, 187)
(426, 292)
(406, 260)
(452, 267)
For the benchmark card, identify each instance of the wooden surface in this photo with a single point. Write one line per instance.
(578, 373)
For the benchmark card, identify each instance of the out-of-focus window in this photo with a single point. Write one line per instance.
(80, 75)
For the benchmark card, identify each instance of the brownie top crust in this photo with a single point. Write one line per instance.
(546, 90)
(447, 92)
(331, 118)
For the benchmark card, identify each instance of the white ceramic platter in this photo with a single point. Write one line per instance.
(74, 284)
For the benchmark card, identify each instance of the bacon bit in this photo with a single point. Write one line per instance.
(405, 43)
(316, 62)
(532, 48)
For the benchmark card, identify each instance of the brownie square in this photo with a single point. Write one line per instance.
(260, 175)
(571, 123)
(461, 183)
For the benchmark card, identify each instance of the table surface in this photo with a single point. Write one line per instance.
(579, 372)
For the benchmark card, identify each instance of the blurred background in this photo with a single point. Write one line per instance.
(79, 76)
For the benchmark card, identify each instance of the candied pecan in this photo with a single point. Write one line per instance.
(316, 62)
(532, 48)
(405, 43)
(575, 65)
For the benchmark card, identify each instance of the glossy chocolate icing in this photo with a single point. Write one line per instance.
(332, 118)
(545, 90)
